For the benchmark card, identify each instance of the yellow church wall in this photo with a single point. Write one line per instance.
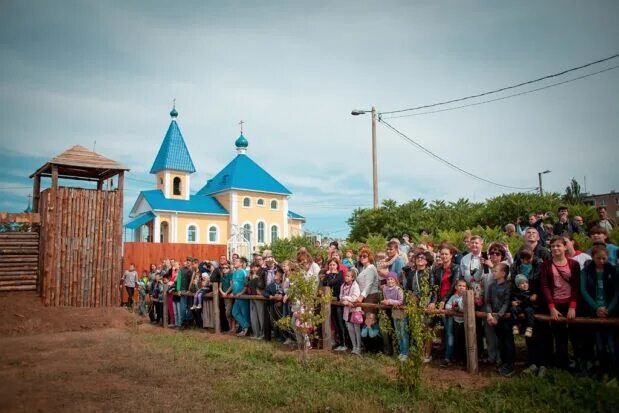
(256, 213)
(203, 223)
(224, 200)
(160, 181)
(295, 227)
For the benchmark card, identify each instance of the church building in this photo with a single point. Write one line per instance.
(241, 201)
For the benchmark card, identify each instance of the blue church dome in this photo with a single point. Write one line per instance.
(241, 142)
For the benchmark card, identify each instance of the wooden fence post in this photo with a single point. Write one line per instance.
(470, 333)
(217, 320)
(327, 339)
(165, 307)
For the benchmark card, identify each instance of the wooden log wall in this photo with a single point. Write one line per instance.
(19, 252)
(81, 247)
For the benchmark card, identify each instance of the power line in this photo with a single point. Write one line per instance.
(446, 162)
(504, 88)
(505, 97)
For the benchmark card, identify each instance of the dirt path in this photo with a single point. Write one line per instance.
(82, 360)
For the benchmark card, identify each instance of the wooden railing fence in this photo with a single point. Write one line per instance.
(469, 315)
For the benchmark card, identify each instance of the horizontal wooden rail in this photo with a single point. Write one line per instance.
(478, 314)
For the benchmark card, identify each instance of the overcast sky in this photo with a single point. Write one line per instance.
(107, 71)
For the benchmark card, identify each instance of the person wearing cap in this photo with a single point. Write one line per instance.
(523, 300)
(393, 295)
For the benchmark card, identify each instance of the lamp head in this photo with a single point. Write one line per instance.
(357, 112)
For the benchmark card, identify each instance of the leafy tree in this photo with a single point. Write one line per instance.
(572, 193)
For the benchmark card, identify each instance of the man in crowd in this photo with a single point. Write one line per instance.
(532, 239)
(396, 263)
(268, 273)
(216, 276)
(603, 220)
(565, 224)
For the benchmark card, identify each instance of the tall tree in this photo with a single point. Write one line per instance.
(572, 193)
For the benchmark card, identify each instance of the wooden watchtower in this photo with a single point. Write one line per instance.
(80, 254)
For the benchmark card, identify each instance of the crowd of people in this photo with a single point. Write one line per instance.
(548, 275)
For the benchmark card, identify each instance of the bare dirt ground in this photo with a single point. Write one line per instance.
(82, 360)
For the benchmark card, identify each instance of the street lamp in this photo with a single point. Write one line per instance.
(539, 176)
(357, 112)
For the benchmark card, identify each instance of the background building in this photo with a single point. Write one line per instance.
(242, 203)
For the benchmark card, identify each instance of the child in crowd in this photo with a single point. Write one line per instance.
(395, 296)
(202, 285)
(225, 289)
(142, 290)
(496, 304)
(349, 260)
(456, 303)
(275, 293)
(349, 294)
(371, 337)
(522, 304)
(156, 293)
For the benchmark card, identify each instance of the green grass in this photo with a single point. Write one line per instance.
(246, 375)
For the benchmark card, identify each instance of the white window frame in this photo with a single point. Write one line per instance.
(264, 235)
(243, 202)
(197, 232)
(276, 204)
(208, 233)
(258, 202)
(251, 230)
(271, 232)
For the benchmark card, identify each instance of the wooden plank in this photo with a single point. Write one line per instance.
(36, 193)
(470, 333)
(325, 311)
(18, 288)
(5, 283)
(97, 250)
(216, 308)
(19, 277)
(72, 212)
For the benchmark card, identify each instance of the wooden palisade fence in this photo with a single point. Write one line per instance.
(81, 252)
(81, 230)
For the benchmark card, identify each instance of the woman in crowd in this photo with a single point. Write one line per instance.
(599, 286)
(334, 278)
(560, 279)
(367, 278)
(443, 283)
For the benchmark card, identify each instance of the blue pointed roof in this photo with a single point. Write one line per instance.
(243, 173)
(196, 204)
(173, 153)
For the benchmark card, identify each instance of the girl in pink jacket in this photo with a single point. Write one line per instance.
(349, 294)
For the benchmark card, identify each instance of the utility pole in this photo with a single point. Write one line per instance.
(375, 159)
(539, 177)
(541, 191)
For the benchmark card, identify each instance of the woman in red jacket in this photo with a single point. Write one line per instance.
(560, 279)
